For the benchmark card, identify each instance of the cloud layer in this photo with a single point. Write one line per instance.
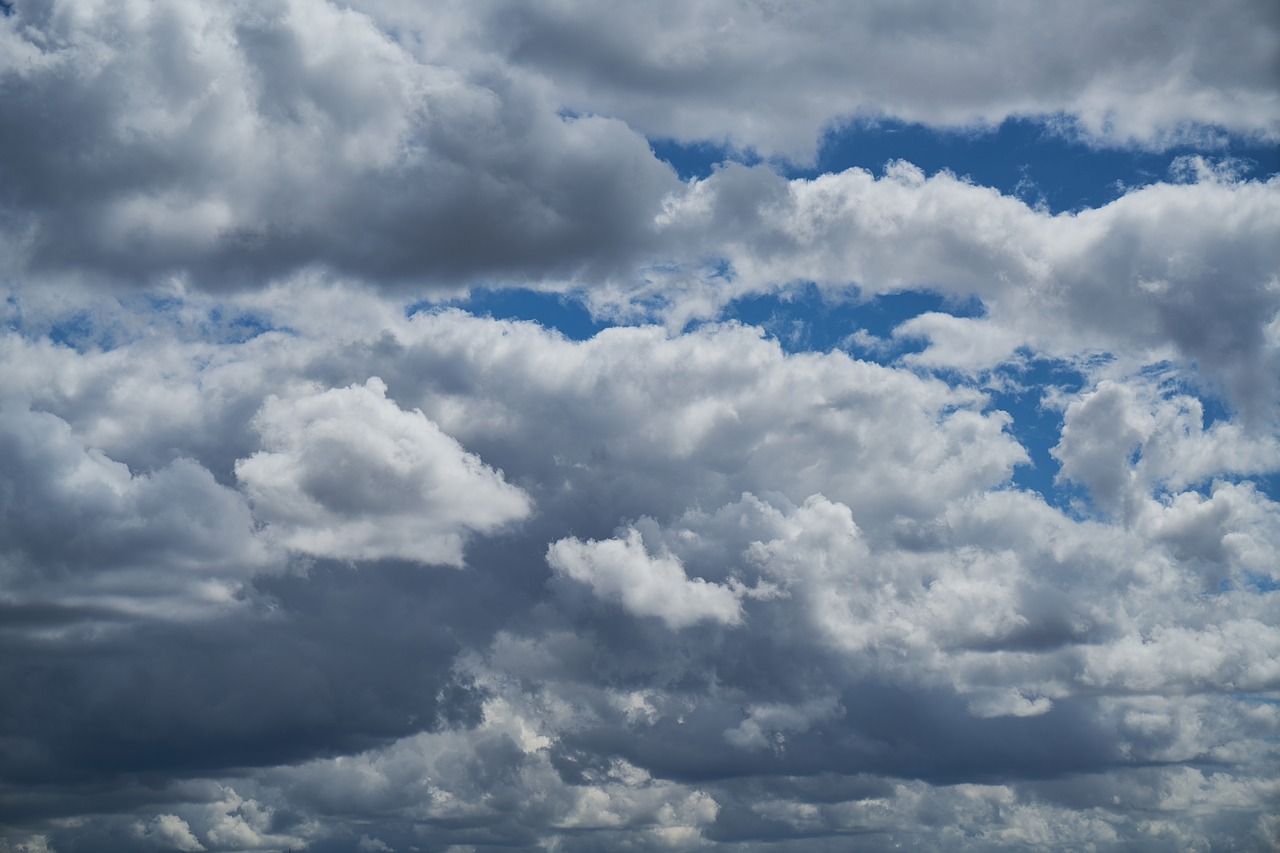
(300, 549)
(729, 573)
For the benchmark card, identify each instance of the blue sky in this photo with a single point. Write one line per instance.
(705, 425)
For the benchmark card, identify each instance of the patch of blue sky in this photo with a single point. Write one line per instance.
(1020, 389)
(1262, 583)
(238, 327)
(79, 332)
(804, 319)
(85, 330)
(1034, 160)
(565, 313)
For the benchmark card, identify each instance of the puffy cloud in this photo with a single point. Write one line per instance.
(170, 832)
(621, 570)
(231, 143)
(371, 845)
(833, 594)
(731, 70)
(350, 475)
(717, 593)
(85, 535)
(234, 144)
(649, 423)
(1170, 270)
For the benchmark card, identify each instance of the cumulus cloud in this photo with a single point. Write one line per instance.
(731, 70)
(1124, 440)
(861, 596)
(1169, 269)
(622, 570)
(233, 143)
(350, 475)
(83, 532)
(169, 832)
(719, 590)
(237, 144)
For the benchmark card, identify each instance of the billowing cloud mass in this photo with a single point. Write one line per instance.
(347, 474)
(397, 453)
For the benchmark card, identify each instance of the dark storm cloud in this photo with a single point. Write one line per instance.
(333, 661)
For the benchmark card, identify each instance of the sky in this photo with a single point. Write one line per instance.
(736, 425)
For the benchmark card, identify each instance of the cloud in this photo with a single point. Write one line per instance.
(236, 143)
(1123, 440)
(348, 474)
(170, 832)
(621, 570)
(861, 597)
(731, 70)
(371, 845)
(715, 589)
(84, 533)
(1165, 271)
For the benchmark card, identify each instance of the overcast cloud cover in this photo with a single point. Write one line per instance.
(310, 540)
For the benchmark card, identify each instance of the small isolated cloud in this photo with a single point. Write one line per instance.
(961, 343)
(622, 571)
(347, 473)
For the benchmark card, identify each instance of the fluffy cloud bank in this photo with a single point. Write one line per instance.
(228, 144)
(293, 555)
(731, 574)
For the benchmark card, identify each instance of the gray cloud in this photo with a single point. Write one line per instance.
(1169, 270)
(886, 614)
(238, 143)
(774, 76)
(290, 558)
(347, 474)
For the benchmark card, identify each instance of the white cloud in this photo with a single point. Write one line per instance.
(621, 570)
(1123, 439)
(774, 76)
(767, 726)
(169, 832)
(346, 473)
(650, 423)
(879, 597)
(1167, 271)
(237, 144)
(822, 564)
(233, 143)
